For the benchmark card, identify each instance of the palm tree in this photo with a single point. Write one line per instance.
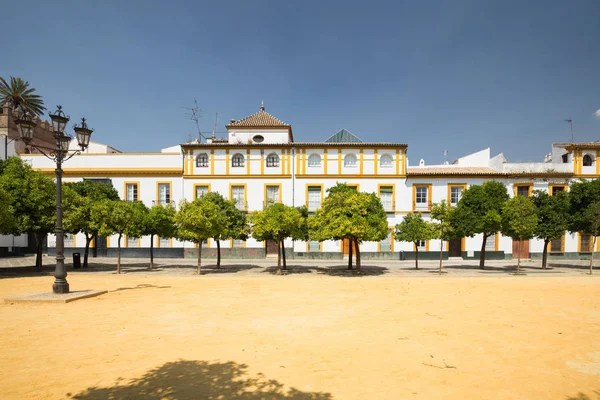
(18, 93)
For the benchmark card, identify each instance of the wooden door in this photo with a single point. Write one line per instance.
(524, 249)
(455, 248)
(272, 247)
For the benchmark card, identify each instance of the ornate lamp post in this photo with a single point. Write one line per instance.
(59, 154)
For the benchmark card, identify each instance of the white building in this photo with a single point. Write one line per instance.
(260, 161)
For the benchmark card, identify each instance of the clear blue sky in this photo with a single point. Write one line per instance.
(455, 75)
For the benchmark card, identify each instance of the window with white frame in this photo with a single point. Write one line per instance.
(131, 192)
(273, 195)
(238, 243)
(386, 195)
(455, 194)
(201, 191)
(350, 161)
(237, 160)
(421, 194)
(314, 245)
(68, 240)
(587, 160)
(421, 245)
(314, 160)
(164, 194)
(202, 160)
(386, 161)
(272, 160)
(237, 194)
(164, 242)
(314, 198)
(386, 244)
(490, 243)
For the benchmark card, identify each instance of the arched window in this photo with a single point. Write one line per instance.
(237, 160)
(314, 160)
(272, 160)
(386, 161)
(350, 161)
(202, 160)
(587, 160)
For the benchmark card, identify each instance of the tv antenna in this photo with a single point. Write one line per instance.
(445, 156)
(194, 113)
(570, 121)
(215, 126)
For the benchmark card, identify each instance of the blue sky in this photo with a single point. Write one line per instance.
(454, 75)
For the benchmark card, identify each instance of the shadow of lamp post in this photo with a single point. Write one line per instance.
(59, 154)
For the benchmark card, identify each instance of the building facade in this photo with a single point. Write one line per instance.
(260, 162)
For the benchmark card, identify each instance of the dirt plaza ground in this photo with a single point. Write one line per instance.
(317, 333)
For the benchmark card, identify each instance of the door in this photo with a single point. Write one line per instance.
(455, 248)
(272, 247)
(524, 249)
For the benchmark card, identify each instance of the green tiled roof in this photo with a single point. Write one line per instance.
(343, 136)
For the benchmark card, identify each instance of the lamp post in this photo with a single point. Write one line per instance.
(59, 154)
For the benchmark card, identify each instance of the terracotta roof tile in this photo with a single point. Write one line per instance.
(259, 119)
(414, 171)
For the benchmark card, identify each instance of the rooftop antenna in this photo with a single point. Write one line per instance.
(215, 127)
(570, 121)
(194, 114)
(445, 157)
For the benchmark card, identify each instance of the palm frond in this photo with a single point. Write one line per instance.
(18, 93)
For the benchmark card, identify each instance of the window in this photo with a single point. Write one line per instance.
(556, 245)
(164, 242)
(68, 240)
(164, 194)
(386, 161)
(386, 195)
(421, 245)
(455, 194)
(314, 198)
(523, 191)
(565, 158)
(314, 160)
(386, 244)
(421, 197)
(237, 243)
(237, 160)
(237, 194)
(585, 243)
(202, 160)
(272, 194)
(258, 138)
(131, 191)
(350, 161)
(272, 160)
(201, 191)
(557, 189)
(490, 243)
(313, 245)
(587, 160)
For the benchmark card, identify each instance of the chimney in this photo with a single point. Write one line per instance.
(231, 121)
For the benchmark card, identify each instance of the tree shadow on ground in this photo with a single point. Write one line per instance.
(585, 266)
(335, 270)
(583, 396)
(184, 379)
(25, 272)
(141, 286)
(227, 269)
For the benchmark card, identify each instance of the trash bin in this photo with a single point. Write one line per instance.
(76, 260)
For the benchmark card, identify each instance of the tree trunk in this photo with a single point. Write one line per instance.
(119, 254)
(278, 257)
(283, 254)
(95, 250)
(350, 253)
(416, 256)
(199, 256)
(357, 256)
(88, 240)
(482, 253)
(592, 257)
(545, 254)
(218, 253)
(519, 258)
(39, 244)
(151, 251)
(441, 249)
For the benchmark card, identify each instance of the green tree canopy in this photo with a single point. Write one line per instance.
(414, 228)
(553, 218)
(198, 221)
(442, 213)
(32, 198)
(584, 208)
(349, 214)
(480, 211)
(519, 221)
(17, 94)
(160, 221)
(7, 220)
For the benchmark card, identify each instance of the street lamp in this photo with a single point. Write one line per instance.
(59, 154)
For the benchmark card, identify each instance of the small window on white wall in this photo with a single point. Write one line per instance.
(272, 160)
(314, 160)
(386, 161)
(350, 161)
(237, 160)
(587, 160)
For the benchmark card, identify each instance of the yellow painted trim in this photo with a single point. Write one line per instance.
(304, 161)
(192, 164)
(231, 185)
(393, 186)
(397, 161)
(403, 152)
(93, 243)
(227, 164)
(339, 172)
(241, 176)
(361, 162)
(185, 163)
(262, 162)
(198, 185)
(325, 161)
(265, 192)
(107, 242)
(248, 162)
(553, 185)
(414, 196)
(427, 245)
(283, 162)
(137, 183)
(314, 185)
(597, 162)
(347, 176)
(74, 240)
(450, 186)
(151, 172)
(354, 185)
(170, 191)
(528, 184)
(289, 161)
(212, 162)
(375, 161)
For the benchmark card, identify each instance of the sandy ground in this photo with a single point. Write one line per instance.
(304, 336)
